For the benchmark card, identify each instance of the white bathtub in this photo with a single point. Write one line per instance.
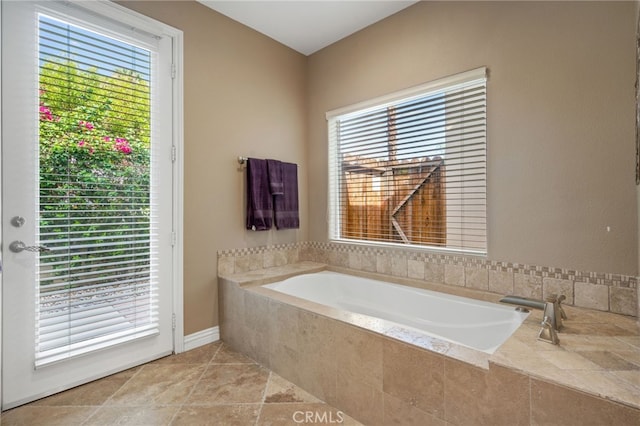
(483, 326)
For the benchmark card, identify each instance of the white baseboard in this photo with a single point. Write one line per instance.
(201, 338)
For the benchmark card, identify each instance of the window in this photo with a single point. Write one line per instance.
(410, 168)
(97, 282)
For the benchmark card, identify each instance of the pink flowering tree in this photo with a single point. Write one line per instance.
(94, 146)
(91, 123)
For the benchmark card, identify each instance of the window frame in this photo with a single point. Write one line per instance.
(439, 86)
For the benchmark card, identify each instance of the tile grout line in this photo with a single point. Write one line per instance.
(197, 382)
(444, 393)
(97, 407)
(115, 391)
(264, 394)
(632, 347)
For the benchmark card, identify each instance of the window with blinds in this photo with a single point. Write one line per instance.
(97, 283)
(410, 168)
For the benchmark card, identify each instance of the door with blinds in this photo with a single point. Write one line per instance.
(87, 197)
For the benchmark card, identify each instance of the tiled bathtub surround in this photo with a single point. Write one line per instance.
(593, 377)
(605, 292)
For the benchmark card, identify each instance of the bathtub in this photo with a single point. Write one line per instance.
(476, 324)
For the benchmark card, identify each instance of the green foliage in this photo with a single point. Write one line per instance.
(94, 158)
(90, 120)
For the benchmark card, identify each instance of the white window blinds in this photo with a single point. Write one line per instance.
(97, 284)
(410, 168)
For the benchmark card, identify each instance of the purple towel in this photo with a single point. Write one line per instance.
(275, 177)
(259, 204)
(286, 205)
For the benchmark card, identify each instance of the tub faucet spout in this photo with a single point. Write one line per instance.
(552, 314)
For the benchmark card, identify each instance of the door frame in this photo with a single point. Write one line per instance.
(114, 11)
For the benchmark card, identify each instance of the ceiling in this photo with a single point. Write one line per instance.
(307, 25)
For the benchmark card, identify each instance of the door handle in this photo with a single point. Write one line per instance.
(19, 246)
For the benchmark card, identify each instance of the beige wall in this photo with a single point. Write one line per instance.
(560, 117)
(244, 94)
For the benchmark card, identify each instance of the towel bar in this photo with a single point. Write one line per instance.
(242, 160)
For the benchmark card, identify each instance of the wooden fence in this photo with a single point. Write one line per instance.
(395, 201)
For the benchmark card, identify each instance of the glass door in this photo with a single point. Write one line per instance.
(86, 198)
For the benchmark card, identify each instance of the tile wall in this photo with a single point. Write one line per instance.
(605, 292)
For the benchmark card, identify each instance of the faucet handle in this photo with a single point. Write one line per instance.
(563, 315)
(554, 311)
(547, 332)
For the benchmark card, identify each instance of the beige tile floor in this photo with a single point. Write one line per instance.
(210, 385)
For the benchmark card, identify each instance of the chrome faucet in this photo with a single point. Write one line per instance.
(552, 315)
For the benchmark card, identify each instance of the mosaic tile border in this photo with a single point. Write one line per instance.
(256, 250)
(605, 292)
(612, 280)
